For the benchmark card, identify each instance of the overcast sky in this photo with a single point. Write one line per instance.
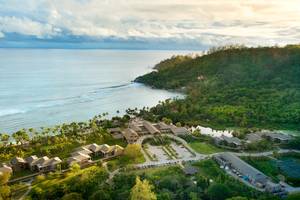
(180, 24)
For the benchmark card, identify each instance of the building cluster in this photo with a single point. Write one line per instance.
(82, 155)
(138, 127)
(233, 142)
(32, 163)
(239, 168)
(237, 143)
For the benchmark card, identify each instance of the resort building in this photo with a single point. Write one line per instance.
(46, 164)
(83, 150)
(130, 135)
(18, 163)
(117, 150)
(277, 137)
(179, 130)
(30, 161)
(163, 127)
(233, 142)
(151, 128)
(136, 125)
(5, 169)
(79, 158)
(241, 168)
(116, 133)
(82, 155)
(253, 137)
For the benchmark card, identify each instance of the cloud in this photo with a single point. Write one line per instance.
(205, 22)
(26, 26)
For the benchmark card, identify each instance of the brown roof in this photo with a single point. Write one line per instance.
(135, 126)
(5, 169)
(31, 159)
(93, 147)
(83, 149)
(42, 161)
(179, 130)
(105, 148)
(163, 125)
(129, 134)
(152, 129)
(18, 160)
(78, 158)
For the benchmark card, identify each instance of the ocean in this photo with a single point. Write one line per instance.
(46, 87)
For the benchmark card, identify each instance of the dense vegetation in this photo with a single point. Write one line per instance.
(210, 183)
(232, 87)
(59, 140)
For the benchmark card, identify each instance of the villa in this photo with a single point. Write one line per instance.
(277, 137)
(46, 164)
(83, 155)
(18, 163)
(5, 169)
(253, 137)
(150, 128)
(179, 130)
(33, 163)
(233, 142)
(79, 158)
(116, 133)
(43, 164)
(163, 127)
(30, 161)
(130, 135)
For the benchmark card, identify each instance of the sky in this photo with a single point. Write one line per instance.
(144, 24)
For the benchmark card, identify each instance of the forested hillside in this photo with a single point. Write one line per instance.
(232, 86)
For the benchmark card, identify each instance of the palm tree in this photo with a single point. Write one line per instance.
(20, 136)
(4, 138)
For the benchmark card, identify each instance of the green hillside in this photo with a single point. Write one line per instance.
(233, 86)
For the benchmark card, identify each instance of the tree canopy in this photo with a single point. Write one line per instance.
(232, 86)
(142, 190)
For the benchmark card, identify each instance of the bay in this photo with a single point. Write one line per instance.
(45, 87)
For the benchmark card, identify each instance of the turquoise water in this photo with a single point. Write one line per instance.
(48, 87)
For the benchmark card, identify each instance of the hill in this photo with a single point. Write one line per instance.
(232, 86)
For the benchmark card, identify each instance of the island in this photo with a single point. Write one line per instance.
(225, 140)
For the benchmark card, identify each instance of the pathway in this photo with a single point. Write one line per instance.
(28, 190)
(110, 174)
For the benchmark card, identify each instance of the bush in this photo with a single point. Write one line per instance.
(218, 192)
(72, 196)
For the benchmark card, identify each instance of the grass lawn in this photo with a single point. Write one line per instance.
(204, 148)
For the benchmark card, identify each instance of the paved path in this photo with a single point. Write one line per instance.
(267, 153)
(111, 174)
(28, 190)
